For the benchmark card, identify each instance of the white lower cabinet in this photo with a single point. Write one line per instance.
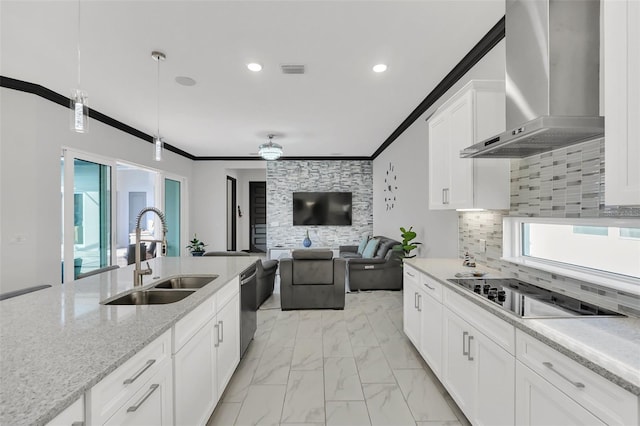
(139, 392)
(547, 378)
(206, 354)
(431, 332)
(478, 373)
(151, 405)
(411, 314)
(194, 366)
(228, 350)
(539, 403)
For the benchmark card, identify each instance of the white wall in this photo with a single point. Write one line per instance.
(32, 133)
(437, 230)
(209, 199)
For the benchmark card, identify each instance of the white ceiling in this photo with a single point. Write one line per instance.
(339, 107)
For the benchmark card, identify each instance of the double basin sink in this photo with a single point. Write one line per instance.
(167, 291)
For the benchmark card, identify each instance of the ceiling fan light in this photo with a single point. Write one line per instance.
(270, 151)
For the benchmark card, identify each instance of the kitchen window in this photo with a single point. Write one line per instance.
(604, 251)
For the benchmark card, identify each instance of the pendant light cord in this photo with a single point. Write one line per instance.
(158, 99)
(78, 44)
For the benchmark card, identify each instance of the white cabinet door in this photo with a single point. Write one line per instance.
(461, 169)
(474, 113)
(431, 332)
(458, 371)
(411, 315)
(228, 350)
(195, 377)
(152, 405)
(622, 101)
(439, 139)
(538, 403)
(495, 376)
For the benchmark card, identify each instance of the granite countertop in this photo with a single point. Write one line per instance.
(57, 343)
(608, 346)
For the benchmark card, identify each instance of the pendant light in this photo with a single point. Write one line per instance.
(79, 98)
(270, 151)
(158, 143)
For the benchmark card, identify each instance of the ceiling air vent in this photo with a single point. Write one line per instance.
(292, 69)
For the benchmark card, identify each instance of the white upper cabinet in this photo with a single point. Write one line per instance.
(622, 101)
(474, 113)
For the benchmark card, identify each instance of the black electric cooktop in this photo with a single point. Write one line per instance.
(529, 301)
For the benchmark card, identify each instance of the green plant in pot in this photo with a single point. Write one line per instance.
(196, 247)
(408, 235)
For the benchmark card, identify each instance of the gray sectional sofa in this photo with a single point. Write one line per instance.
(381, 272)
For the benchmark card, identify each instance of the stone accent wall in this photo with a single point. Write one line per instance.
(286, 177)
(567, 182)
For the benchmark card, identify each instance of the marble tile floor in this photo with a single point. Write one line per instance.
(328, 367)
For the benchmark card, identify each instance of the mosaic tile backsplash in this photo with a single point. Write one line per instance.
(286, 177)
(567, 182)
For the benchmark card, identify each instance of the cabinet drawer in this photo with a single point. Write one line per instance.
(498, 330)
(227, 292)
(188, 326)
(431, 287)
(114, 390)
(604, 399)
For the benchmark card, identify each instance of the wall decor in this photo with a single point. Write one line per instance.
(390, 187)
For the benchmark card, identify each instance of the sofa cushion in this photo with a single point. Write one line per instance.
(386, 245)
(312, 254)
(370, 249)
(363, 244)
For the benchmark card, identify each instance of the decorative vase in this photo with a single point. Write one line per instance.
(197, 253)
(307, 241)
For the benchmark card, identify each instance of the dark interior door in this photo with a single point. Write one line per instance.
(258, 217)
(231, 214)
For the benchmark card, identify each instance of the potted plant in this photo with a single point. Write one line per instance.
(196, 247)
(407, 243)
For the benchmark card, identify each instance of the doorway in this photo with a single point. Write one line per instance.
(258, 217)
(231, 213)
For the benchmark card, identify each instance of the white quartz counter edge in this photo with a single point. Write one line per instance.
(620, 366)
(57, 343)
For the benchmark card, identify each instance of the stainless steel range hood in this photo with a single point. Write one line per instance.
(552, 78)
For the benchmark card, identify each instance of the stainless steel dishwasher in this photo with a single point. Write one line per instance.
(248, 316)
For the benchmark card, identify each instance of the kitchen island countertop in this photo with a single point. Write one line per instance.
(609, 346)
(57, 343)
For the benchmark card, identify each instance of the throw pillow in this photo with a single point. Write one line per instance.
(363, 244)
(370, 249)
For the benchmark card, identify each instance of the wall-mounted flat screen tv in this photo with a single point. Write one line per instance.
(322, 208)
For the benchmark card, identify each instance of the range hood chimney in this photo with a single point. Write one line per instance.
(552, 78)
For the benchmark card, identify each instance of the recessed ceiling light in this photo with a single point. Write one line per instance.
(185, 81)
(255, 67)
(379, 68)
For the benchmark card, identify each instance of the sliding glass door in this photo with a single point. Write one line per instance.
(172, 206)
(87, 212)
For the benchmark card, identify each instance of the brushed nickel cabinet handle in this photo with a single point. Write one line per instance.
(146, 396)
(221, 329)
(428, 286)
(469, 357)
(217, 343)
(139, 373)
(464, 341)
(579, 385)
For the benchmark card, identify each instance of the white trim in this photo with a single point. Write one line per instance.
(512, 251)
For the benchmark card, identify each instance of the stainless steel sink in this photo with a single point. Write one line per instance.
(192, 281)
(151, 297)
